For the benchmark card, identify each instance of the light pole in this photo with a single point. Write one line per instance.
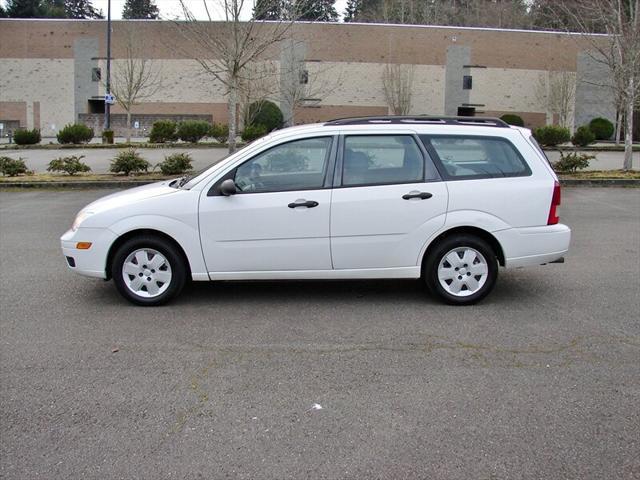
(107, 105)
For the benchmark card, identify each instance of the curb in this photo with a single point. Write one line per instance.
(600, 182)
(113, 146)
(568, 182)
(76, 185)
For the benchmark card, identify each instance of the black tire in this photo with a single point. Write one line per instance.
(174, 263)
(438, 254)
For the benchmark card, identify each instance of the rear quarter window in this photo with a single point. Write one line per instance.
(470, 157)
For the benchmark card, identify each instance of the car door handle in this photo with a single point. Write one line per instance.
(304, 203)
(420, 195)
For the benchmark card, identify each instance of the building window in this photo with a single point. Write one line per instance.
(467, 82)
(304, 77)
(96, 74)
(96, 105)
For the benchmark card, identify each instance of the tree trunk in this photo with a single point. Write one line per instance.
(618, 126)
(128, 126)
(628, 136)
(233, 101)
(628, 131)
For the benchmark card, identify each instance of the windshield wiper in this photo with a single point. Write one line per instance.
(183, 180)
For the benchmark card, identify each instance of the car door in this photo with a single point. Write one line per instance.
(279, 218)
(387, 202)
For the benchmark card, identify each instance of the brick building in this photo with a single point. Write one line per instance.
(51, 72)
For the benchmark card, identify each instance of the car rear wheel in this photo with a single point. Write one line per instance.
(461, 270)
(148, 271)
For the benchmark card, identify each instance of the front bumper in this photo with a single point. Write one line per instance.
(534, 245)
(93, 261)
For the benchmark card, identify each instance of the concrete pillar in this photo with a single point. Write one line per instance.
(85, 55)
(594, 96)
(454, 95)
(292, 61)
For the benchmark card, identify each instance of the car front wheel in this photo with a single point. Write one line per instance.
(461, 270)
(148, 271)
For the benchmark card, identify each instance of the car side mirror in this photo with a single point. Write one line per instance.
(228, 187)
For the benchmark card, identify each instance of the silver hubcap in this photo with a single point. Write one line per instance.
(463, 271)
(146, 272)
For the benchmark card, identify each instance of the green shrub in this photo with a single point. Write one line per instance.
(252, 132)
(265, 113)
(107, 136)
(70, 165)
(129, 161)
(602, 128)
(27, 137)
(551, 135)
(572, 162)
(175, 164)
(75, 133)
(12, 167)
(583, 136)
(220, 131)
(513, 119)
(193, 130)
(163, 131)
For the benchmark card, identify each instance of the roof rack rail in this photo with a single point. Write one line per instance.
(420, 119)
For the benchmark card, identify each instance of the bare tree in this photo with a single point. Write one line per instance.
(261, 83)
(556, 91)
(226, 50)
(476, 13)
(134, 77)
(303, 82)
(619, 51)
(397, 82)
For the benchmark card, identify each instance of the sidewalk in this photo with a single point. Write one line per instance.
(603, 160)
(99, 159)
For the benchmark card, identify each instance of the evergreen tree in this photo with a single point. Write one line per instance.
(53, 9)
(317, 10)
(25, 9)
(140, 9)
(3, 13)
(352, 10)
(81, 9)
(269, 10)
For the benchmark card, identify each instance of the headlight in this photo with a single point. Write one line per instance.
(81, 217)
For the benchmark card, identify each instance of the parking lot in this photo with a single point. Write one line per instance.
(542, 380)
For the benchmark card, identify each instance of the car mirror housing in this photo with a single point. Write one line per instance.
(228, 187)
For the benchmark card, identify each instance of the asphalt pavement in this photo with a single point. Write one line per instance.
(540, 381)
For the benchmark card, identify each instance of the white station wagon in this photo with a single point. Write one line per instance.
(444, 199)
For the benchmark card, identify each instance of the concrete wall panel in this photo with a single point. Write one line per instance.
(48, 81)
(506, 90)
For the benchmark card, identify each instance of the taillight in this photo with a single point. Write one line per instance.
(555, 203)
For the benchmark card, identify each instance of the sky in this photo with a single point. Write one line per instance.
(171, 8)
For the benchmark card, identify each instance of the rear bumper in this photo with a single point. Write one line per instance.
(534, 245)
(91, 262)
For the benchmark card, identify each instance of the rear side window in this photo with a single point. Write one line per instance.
(535, 143)
(381, 160)
(476, 157)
